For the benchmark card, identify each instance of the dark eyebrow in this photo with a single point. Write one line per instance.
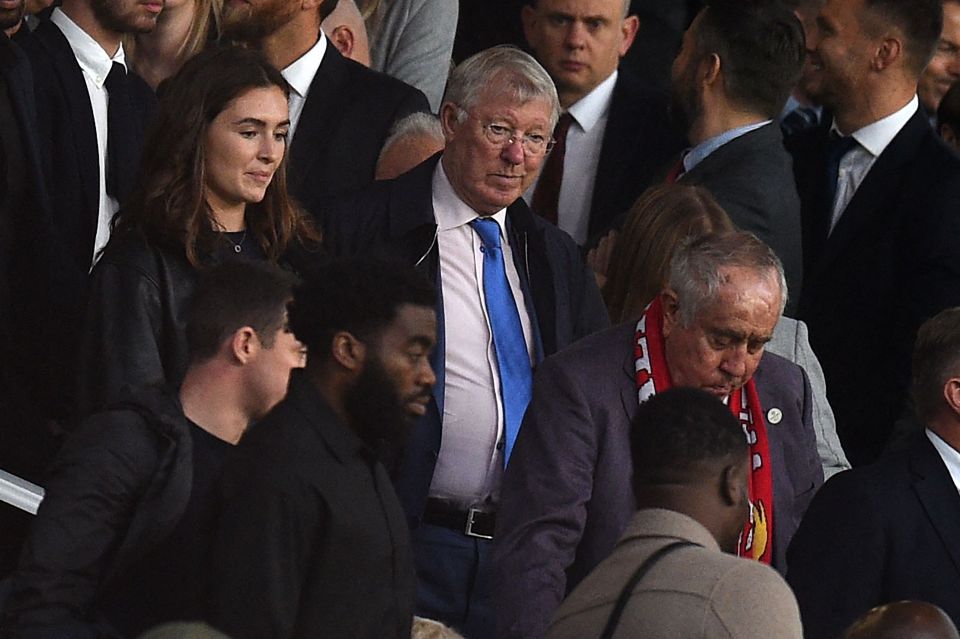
(259, 122)
(421, 340)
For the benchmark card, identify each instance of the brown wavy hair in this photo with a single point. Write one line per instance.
(168, 205)
(656, 225)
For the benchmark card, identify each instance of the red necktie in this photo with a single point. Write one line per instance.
(546, 197)
(677, 170)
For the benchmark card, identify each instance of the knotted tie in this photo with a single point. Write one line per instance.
(799, 119)
(123, 141)
(510, 348)
(546, 197)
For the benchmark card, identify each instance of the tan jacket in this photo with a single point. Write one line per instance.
(694, 591)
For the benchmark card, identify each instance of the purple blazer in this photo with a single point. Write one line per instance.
(567, 496)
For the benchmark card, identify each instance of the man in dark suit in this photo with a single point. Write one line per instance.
(340, 111)
(91, 115)
(615, 135)
(566, 494)
(512, 289)
(891, 530)
(736, 68)
(879, 192)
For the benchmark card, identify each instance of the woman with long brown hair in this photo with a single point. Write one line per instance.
(212, 186)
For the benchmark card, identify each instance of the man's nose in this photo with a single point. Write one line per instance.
(513, 151)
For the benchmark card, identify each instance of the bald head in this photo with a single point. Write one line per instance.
(903, 620)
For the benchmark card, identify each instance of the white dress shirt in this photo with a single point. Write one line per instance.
(299, 76)
(470, 464)
(95, 65)
(949, 455)
(871, 141)
(581, 158)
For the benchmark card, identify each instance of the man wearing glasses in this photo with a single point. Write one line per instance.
(512, 290)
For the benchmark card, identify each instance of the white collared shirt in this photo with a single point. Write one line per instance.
(299, 76)
(871, 142)
(581, 158)
(95, 65)
(470, 465)
(949, 455)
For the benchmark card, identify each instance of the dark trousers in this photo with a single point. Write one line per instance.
(454, 581)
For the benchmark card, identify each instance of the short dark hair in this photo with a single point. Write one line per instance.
(921, 22)
(949, 110)
(936, 358)
(328, 7)
(678, 429)
(761, 47)
(232, 295)
(359, 295)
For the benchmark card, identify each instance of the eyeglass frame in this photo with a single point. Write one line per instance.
(511, 137)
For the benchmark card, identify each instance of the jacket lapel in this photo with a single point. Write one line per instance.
(938, 495)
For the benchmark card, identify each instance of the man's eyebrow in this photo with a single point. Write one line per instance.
(421, 340)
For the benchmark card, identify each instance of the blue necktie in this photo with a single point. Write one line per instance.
(513, 359)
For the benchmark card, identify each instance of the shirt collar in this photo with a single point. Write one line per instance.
(90, 55)
(699, 153)
(876, 136)
(450, 210)
(591, 107)
(300, 74)
(949, 455)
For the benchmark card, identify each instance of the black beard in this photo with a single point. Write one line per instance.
(377, 414)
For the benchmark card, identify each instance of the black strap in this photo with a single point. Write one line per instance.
(639, 574)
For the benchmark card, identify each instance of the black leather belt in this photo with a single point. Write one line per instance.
(471, 522)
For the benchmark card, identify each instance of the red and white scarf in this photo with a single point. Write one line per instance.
(653, 377)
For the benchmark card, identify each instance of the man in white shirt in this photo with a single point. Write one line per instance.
(878, 190)
(340, 111)
(91, 113)
(615, 136)
(891, 531)
(512, 289)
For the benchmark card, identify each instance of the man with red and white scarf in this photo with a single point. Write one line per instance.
(566, 493)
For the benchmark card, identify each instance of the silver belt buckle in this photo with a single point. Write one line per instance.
(468, 530)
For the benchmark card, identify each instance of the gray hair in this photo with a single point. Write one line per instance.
(695, 269)
(507, 68)
(414, 125)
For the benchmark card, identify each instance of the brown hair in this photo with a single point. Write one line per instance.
(167, 205)
(656, 225)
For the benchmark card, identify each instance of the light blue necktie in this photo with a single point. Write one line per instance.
(513, 359)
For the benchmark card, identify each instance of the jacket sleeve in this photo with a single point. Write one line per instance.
(120, 345)
(543, 508)
(91, 495)
(266, 534)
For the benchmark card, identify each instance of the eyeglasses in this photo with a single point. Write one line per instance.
(502, 135)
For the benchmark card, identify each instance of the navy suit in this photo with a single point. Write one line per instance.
(892, 261)
(345, 121)
(638, 142)
(567, 494)
(396, 217)
(873, 535)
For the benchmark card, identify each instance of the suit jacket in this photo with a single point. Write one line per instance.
(567, 494)
(345, 121)
(892, 261)
(751, 177)
(695, 592)
(877, 534)
(638, 142)
(396, 217)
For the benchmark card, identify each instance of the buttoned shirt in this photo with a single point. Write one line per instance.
(299, 76)
(470, 464)
(581, 158)
(949, 455)
(95, 64)
(871, 142)
(699, 153)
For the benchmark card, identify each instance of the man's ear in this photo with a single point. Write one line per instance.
(245, 344)
(628, 29)
(889, 51)
(448, 119)
(951, 393)
(528, 16)
(343, 39)
(733, 483)
(670, 304)
(348, 351)
(710, 70)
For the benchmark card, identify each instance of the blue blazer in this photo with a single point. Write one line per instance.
(396, 218)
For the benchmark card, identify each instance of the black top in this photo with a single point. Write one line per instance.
(312, 540)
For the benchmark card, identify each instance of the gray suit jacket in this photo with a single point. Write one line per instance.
(692, 592)
(566, 495)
